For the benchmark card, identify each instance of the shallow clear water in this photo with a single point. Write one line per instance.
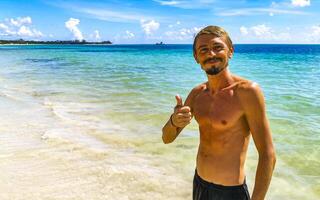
(117, 98)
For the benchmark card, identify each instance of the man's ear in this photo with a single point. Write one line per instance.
(196, 57)
(231, 50)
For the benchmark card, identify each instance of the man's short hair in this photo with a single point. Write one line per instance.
(216, 31)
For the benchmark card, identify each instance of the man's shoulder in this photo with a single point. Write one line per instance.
(249, 88)
(200, 87)
(245, 86)
(250, 93)
(196, 91)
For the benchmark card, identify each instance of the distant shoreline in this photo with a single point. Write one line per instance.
(59, 42)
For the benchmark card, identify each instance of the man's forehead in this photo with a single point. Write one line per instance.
(209, 39)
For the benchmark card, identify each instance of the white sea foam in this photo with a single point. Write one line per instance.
(79, 114)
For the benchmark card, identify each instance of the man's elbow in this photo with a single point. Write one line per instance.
(165, 139)
(273, 159)
(269, 156)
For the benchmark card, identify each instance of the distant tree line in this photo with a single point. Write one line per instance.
(21, 41)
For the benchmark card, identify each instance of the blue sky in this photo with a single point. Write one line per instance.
(170, 21)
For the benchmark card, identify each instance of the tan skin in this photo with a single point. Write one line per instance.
(228, 109)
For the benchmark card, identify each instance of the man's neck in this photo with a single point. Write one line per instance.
(220, 81)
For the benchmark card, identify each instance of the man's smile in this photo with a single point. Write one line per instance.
(212, 60)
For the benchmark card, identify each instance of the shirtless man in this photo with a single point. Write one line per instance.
(228, 109)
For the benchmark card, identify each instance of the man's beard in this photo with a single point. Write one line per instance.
(214, 70)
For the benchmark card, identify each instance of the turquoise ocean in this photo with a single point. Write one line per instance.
(84, 122)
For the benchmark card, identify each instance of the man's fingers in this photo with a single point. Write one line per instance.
(179, 100)
(185, 120)
(184, 123)
(185, 109)
(183, 115)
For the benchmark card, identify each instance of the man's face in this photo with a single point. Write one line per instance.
(212, 53)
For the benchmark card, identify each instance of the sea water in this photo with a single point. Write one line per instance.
(84, 122)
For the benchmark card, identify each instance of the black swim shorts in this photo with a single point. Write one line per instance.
(203, 190)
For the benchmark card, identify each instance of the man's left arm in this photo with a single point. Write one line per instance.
(254, 107)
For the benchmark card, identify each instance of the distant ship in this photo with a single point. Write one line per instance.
(161, 43)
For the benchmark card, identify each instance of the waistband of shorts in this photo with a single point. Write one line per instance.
(217, 186)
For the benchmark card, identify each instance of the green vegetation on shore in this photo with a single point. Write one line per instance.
(21, 41)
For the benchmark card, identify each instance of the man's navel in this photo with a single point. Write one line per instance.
(224, 122)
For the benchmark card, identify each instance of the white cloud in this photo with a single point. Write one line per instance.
(261, 30)
(315, 34)
(71, 25)
(244, 30)
(173, 25)
(4, 27)
(300, 3)
(312, 35)
(19, 27)
(20, 21)
(97, 35)
(316, 30)
(265, 34)
(126, 38)
(26, 31)
(258, 11)
(149, 26)
(128, 35)
(5, 30)
(182, 34)
(168, 3)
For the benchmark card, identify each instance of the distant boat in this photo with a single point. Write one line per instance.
(161, 43)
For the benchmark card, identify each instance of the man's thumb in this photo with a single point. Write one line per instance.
(179, 100)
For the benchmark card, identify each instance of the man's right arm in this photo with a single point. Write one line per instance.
(179, 119)
(170, 132)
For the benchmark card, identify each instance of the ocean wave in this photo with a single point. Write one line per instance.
(76, 137)
(80, 114)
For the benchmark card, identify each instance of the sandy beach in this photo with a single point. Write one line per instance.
(45, 159)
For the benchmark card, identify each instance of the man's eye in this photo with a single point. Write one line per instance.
(203, 50)
(218, 48)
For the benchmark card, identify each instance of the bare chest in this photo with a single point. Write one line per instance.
(218, 112)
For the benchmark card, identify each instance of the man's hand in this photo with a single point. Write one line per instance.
(182, 114)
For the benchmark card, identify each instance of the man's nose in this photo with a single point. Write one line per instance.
(212, 52)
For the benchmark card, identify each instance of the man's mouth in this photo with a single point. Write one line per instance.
(212, 60)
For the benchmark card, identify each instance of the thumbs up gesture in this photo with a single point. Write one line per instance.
(182, 114)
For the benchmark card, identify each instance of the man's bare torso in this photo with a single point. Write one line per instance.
(224, 134)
